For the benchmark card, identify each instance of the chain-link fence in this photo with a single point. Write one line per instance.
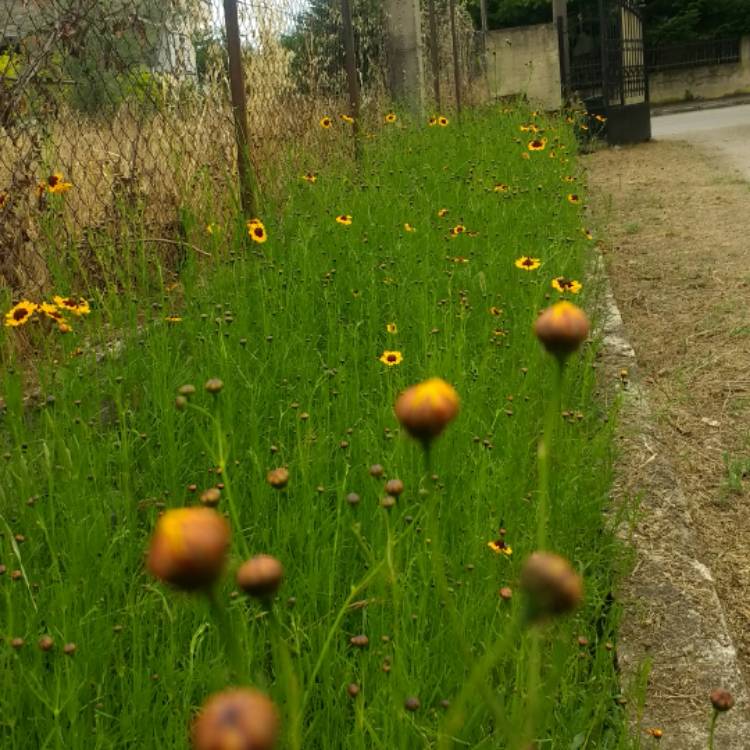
(127, 107)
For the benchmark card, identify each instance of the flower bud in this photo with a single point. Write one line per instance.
(722, 700)
(562, 328)
(426, 408)
(278, 478)
(550, 582)
(189, 547)
(236, 718)
(260, 576)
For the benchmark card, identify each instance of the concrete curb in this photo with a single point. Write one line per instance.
(673, 617)
(694, 106)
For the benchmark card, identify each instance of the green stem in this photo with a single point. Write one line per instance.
(533, 688)
(290, 680)
(544, 453)
(712, 730)
(232, 648)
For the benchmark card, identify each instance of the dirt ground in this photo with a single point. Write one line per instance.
(677, 251)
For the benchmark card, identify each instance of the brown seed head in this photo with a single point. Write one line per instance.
(394, 487)
(352, 498)
(46, 643)
(412, 703)
(214, 385)
(722, 700)
(69, 649)
(562, 328)
(186, 390)
(376, 470)
(278, 478)
(260, 576)
(552, 585)
(211, 497)
(353, 689)
(506, 593)
(18, 643)
(425, 409)
(359, 641)
(236, 719)
(188, 547)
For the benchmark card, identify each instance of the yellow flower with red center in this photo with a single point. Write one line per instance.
(563, 284)
(442, 213)
(173, 319)
(443, 121)
(432, 121)
(587, 234)
(425, 409)
(257, 231)
(310, 177)
(344, 219)
(391, 359)
(348, 119)
(568, 178)
(391, 117)
(459, 229)
(527, 263)
(409, 228)
(391, 328)
(524, 128)
(51, 311)
(56, 183)
(460, 260)
(501, 187)
(496, 311)
(499, 547)
(326, 122)
(76, 306)
(20, 314)
(574, 198)
(538, 144)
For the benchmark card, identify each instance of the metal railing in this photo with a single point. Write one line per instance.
(693, 54)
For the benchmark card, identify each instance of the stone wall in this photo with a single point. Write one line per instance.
(526, 61)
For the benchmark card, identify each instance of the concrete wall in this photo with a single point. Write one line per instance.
(709, 82)
(525, 60)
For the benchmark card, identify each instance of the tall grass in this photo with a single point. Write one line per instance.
(294, 329)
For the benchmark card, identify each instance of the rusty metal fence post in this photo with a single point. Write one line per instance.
(456, 55)
(352, 77)
(239, 108)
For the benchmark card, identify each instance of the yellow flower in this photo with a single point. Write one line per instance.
(457, 230)
(426, 408)
(213, 228)
(409, 228)
(443, 121)
(391, 328)
(310, 177)
(53, 312)
(432, 121)
(499, 547)
(525, 155)
(391, 358)
(460, 260)
(348, 119)
(442, 213)
(76, 306)
(501, 187)
(4, 198)
(587, 234)
(496, 311)
(568, 178)
(257, 231)
(538, 144)
(391, 117)
(526, 263)
(563, 284)
(524, 128)
(56, 183)
(173, 319)
(326, 122)
(344, 220)
(655, 732)
(20, 314)
(574, 199)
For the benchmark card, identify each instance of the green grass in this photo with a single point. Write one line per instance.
(295, 327)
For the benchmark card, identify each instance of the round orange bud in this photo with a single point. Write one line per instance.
(189, 547)
(426, 408)
(722, 700)
(552, 585)
(237, 718)
(562, 328)
(260, 576)
(278, 478)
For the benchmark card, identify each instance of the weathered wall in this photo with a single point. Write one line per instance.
(525, 60)
(708, 82)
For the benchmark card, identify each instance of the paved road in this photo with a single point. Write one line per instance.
(725, 130)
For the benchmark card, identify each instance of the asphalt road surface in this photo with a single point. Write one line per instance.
(725, 130)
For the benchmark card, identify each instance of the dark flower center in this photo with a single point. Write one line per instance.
(53, 180)
(20, 314)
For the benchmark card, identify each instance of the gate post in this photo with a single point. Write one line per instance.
(560, 19)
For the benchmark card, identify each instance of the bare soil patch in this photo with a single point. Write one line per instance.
(678, 257)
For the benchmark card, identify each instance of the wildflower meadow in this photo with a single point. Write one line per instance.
(338, 478)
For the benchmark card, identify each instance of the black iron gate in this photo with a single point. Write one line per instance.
(606, 68)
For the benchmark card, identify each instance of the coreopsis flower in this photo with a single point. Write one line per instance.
(552, 585)
(527, 263)
(562, 328)
(425, 409)
(20, 314)
(391, 358)
(257, 231)
(260, 576)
